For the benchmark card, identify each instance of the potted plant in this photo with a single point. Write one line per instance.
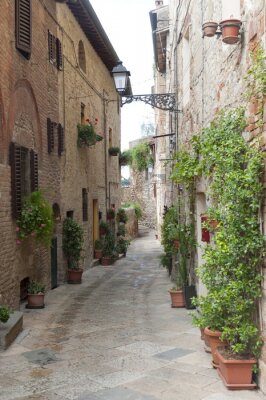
(209, 28)
(35, 296)
(87, 135)
(166, 262)
(110, 215)
(121, 230)
(72, 248)
(177, 294)
(122, 245)
(98, 248)
(104, 228)
(4, 313)
(114, 151)
(230, 30)
(108, 249)
(121, 216)
(125, 158)
(35, 220)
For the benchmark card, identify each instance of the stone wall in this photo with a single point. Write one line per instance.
(132, 224)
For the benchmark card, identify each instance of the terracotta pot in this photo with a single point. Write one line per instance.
(214, 341)
(74, 276)
(98, 254)
(230, 30)
(177, 298)
(205, 234)
(207, 346)
(35, 300)
(236, 374)
(106, 260)
(202, 333)
(209, 28)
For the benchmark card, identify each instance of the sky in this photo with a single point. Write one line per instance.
(127, 24)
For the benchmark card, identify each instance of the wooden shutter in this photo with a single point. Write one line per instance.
(15, 163)
(23, 26)
(51, 47)
(59, 55)
(50, 135)
(60, 132)
(33, 170)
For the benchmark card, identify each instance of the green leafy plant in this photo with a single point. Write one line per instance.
(35, 287)
(122, 245)
(121, 230)
(35, 220)
(169, 229)
(4, 313)
(166, 262)
(141, 157)
(87, 135)
(110, 213)
(109, 245)
(72, 242)
(104, 227)
(98, 244)
(125, 158)
(231, 269)
(114, 151)
(121, 215)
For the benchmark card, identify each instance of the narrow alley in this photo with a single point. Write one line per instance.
(114, 337)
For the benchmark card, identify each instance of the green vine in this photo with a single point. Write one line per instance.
(141, 157)
(231, 271)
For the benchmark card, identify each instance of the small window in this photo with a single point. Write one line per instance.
(23, 27)
(82, 57)
(84, 205)
(82, 114)
(51, 48)
(24, 175)
(70, 214)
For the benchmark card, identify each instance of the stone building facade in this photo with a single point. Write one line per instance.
(207, 75)
(55, 73)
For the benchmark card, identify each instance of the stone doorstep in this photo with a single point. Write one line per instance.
(10, 330)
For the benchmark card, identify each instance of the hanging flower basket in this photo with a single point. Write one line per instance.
(230, 30)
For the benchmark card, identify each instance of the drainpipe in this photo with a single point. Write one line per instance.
(105, 151)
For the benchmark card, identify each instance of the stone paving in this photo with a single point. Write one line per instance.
(114, 337)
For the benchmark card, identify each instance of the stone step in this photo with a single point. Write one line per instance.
(10, 330)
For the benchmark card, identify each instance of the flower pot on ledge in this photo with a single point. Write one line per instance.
(209, 28)
(74, 276)
(177, 298)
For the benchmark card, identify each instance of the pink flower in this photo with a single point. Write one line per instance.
(18, 241)
(17, 229)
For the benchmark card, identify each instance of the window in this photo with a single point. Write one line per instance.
(186, 68)
(70, 214)
(51, 129)
(55, 54)
(24, 175)
(82, 114)
(82, 57)
(110, 137)
(23, 27)
(84, 205)
(61, 139)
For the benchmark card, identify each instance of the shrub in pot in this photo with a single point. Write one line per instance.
(177, 294)
(4, 313)
(122, 245)
(108, 249)
(166, 262)
(110, 214)
(114, 151)
(121, 215)
(35, 296)
(121, 230)
(104, 228)
(98, 248)
(72, 248)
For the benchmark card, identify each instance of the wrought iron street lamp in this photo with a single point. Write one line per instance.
(163, 101)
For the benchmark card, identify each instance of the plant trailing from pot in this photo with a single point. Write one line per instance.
(108, 249)
(35, 297)
(4, 313)
(114, 151)
(125, 158)
(104, 228)
(121, 216)
(110, 214)
(87, 135)
(98, 248)
(72, 248)
(35, 220)
(230, 30)
(209, 28)
(122, 246)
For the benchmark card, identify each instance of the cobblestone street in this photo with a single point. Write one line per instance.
(114, 337)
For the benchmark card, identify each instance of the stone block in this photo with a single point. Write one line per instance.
(10, 330)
